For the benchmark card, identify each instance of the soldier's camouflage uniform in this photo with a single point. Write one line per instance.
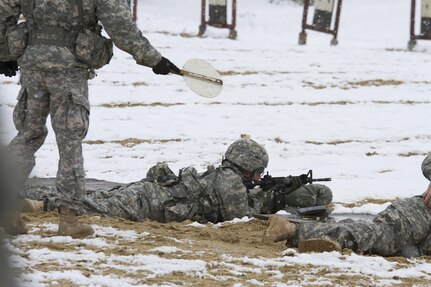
(216, 195)
(55, 83)
(402, 227)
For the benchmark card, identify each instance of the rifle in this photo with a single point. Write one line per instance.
(283, 186)
(269, 182)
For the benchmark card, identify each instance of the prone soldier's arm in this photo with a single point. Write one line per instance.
(232, 196)
(117, 20)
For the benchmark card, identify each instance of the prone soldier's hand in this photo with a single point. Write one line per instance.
(164, 67)
(427, 196)
(9, 69)
(303, 178)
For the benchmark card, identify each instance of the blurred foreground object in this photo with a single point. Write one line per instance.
(8, 205)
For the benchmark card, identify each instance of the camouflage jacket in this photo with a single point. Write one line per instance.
(216, 195)
(114, 15)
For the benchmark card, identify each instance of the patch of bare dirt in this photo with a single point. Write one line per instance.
(131, 142)
(369, 200)
(227, 251)
(132, 105)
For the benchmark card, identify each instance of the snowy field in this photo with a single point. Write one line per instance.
(356, 112)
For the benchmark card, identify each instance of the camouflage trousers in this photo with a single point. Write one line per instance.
(63, 96)
(143, 200)
(404, 223)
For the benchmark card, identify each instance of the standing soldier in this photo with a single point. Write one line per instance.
(57, 48)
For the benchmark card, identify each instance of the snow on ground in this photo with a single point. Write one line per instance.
(230, 254)
(356, 112)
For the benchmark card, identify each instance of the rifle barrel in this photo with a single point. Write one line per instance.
(322, 179)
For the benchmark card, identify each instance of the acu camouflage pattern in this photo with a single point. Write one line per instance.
(216, 195)
(247, 154)
(55, 83)
(64, 96)
(309, 195)
(404, 223)
(114, 15)
(303, 196)
(402, 227)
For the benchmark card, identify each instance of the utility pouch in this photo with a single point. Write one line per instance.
(16, 40)
(93, 49)
(180, 212)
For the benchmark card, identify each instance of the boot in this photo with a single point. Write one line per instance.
(318, 245)
(31, 206)
(13, 224)
(279, 229)
(69, 225)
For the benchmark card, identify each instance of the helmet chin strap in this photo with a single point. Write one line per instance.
(240, 170)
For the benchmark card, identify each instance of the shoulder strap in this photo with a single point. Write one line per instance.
(29, 7)
(80, 24)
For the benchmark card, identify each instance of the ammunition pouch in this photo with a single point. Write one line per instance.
(279, 200)
(180, 212)
(16, 41)
(93, 49)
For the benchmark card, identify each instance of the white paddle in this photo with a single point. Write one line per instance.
(202, 78)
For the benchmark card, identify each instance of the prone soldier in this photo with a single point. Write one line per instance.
(403, 228)
(219, 194)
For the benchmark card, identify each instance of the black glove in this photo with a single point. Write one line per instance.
(9, 69)
(164, 67)
(303, 178)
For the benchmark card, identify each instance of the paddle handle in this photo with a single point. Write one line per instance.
(199, 77)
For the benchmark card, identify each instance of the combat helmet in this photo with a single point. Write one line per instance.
(248, 155)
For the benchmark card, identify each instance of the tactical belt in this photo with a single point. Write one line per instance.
(56, 36)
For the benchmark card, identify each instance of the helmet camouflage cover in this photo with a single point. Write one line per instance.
(247, 154)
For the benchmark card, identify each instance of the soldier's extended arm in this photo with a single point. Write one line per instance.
(117, 20)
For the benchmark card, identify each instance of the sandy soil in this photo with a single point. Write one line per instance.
(232, 253)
